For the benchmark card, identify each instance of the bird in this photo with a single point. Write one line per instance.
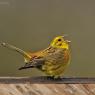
(52, 60)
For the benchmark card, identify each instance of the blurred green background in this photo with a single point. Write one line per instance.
(32, 24)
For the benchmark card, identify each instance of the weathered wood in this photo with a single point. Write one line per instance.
(45, 80)
(44, 86)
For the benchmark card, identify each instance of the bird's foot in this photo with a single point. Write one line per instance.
(54, 78)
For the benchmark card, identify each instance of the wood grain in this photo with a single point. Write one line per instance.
(44, 86)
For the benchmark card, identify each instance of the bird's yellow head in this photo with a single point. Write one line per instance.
(60, 42)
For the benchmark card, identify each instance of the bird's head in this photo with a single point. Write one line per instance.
(60, 42)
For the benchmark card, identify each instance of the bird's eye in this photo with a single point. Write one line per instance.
(59, 39)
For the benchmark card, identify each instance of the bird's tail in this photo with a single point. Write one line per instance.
(25, 54)
(25, 67)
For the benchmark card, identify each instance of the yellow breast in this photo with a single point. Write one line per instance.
(55, 64)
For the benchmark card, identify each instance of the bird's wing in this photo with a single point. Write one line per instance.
(50, 58)
(35, 62)
(55, 56)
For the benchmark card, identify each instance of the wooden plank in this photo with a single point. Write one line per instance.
(43, 86)
(45, 80)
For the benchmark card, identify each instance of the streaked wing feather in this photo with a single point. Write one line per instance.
(36, 62)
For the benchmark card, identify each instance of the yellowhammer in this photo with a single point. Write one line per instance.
(52, 60)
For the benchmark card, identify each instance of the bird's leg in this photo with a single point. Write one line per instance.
(50, 77)
(54, 77)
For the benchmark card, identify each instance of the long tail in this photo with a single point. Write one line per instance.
(25, 54)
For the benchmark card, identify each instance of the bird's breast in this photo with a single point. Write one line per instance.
(66, 56)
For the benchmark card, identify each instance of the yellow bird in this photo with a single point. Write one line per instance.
(52, 60)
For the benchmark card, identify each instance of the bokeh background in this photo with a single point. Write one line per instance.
(32, 24)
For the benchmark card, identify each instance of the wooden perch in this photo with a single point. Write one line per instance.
(45, 80)
(43, 86)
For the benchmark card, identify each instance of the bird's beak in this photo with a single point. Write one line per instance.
(66, 36)
(68, 41)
